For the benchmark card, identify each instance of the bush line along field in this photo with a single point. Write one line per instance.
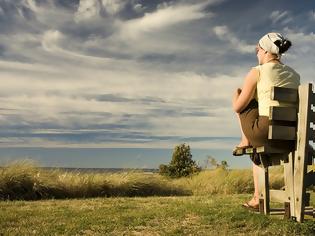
(25, 181)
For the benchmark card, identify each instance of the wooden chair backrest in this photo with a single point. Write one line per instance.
(283, 119)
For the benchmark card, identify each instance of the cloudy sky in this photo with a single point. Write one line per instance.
(136, 73)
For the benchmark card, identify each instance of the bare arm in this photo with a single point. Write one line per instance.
(243, 96)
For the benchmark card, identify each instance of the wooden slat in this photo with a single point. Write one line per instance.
(283, 113)
(244, 151)
(284, 94)
(281, 132)
(278, 196)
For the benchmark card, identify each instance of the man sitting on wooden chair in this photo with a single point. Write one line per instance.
(252, 102)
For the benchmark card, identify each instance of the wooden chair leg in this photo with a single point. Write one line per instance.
(299, 188)
(289, 184)
(261, 206)
(264, 200)
(287, 210)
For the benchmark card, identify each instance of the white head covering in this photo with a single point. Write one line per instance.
(267, 42)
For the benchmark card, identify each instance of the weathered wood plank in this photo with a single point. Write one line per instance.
(284, 94)
(283, 113)
(300, 162)
(282, 132)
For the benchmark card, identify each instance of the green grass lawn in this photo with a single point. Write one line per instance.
(189, 215)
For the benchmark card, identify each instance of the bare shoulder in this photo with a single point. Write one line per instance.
(253, 75)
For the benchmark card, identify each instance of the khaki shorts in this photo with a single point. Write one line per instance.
(255, 127)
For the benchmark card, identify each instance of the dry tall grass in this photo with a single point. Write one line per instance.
(222, 181)
(23, 180)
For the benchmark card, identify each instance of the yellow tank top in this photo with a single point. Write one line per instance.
(273, 74)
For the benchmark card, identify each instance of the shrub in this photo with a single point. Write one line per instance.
(181, 164)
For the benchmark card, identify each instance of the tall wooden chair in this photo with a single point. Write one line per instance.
(288, 144)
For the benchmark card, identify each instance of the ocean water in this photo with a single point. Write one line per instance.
(143, 158)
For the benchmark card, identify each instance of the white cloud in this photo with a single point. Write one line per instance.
(91, 9)
(51, 38)
(139, 7)
(237, 44)
(312, 15)
(54, 96)
(63, 78)
(87, 9)
(280, 17)
(113, 6)
(300, 54)
(162, 18)
(32, 5)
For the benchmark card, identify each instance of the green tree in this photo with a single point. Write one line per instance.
(181, 164)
